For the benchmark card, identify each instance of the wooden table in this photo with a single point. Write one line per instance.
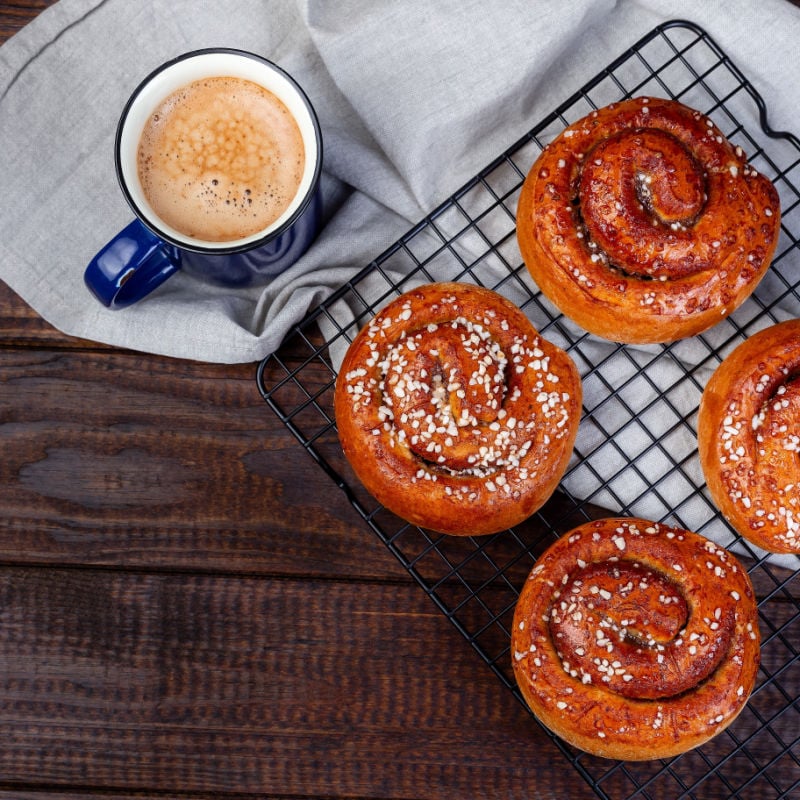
(189, 608)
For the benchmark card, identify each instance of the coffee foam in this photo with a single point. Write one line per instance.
(220, 159)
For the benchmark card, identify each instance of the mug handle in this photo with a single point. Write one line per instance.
(130, 266)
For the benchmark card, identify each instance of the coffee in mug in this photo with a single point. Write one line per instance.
(220, 159)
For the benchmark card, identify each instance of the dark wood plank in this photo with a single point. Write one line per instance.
(15, 14)
(123, 459)
(198, 684)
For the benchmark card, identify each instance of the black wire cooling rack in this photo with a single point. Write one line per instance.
(636, 447)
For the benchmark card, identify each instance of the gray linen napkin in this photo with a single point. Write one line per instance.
(414, 98)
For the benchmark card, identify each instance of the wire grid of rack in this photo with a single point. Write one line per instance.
(636, 448)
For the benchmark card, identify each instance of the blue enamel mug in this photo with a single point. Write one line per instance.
(151, 248)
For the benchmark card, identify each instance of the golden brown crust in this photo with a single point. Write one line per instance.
(748, 432)
(453, 411)
(634, 640)
(643, 224)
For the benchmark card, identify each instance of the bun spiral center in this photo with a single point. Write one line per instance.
(619, 624)
(644, 183)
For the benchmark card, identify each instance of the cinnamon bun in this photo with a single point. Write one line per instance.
(643, 223)
(634, 640)
(454, 412)
(748, 433)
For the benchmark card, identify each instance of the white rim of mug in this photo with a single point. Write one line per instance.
(182, 70)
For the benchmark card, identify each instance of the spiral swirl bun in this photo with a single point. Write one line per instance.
(635, 640)
(454, 413)
(643, 224)
(749, 438)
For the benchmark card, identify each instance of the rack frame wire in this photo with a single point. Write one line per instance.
(634, 454)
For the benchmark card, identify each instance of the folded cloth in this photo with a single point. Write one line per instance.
(413, 98)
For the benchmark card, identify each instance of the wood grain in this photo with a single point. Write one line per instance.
(197, 683)
(168, 465)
